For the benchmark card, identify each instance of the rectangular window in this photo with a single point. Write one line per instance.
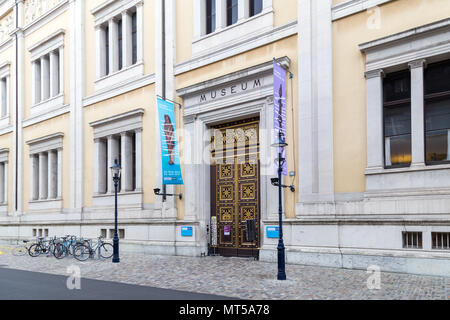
(397, 119)
(440, 240)
(255, 7)
(437, 113)
(3, 98)
(210, 16)
(133, 151)
(120, 41)
(134, 36)
(412, 240)
(107, 49)
(232, 12)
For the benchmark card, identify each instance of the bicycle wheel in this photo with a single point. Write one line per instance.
(60, 251)
(106, 250)
(20, 251)
(81, 252)
(35, 250)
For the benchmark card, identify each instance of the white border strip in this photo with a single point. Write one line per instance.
(350, 7)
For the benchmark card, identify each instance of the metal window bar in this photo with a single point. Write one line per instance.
(441, 240)
(412, 240)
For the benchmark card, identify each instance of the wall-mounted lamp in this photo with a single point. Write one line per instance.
(275, 182)
(158, 193)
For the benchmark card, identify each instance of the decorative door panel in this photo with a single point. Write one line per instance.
(235, 182)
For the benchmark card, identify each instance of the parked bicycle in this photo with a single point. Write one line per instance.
(82, 252)
(65, 246)
(42, 246)
(22, 249)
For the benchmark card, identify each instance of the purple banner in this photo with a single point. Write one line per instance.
(279, 108)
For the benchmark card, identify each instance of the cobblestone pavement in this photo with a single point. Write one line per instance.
(240, 278)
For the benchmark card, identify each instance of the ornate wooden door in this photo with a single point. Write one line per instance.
(235, 185)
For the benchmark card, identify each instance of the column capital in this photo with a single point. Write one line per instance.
(126, 12)
(378, 73)
(421, 63)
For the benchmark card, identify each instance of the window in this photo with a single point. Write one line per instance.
(437, 113)
(47, 77)
(47, 57)
(440, 240)
(106, 61)
(255, 7)
(46, 168)
(232, 12)
(120, 233)
(119, 41)
(397, 119)
(112, 142)
(210, 16)
(119, 26)
(412, 240)
(134, 36)
(4, 154)
(4, 97)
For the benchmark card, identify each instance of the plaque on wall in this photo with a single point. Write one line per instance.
(214, 231)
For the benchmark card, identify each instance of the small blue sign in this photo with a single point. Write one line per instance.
(186, 231)
(273, 232)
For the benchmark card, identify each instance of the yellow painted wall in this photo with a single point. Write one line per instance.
(349, 88)
(140, 98)
(285, 47)
(39, 130)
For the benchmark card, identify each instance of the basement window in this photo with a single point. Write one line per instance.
(440, 240)
(412, 240)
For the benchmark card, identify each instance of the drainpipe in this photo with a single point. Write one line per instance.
(17, 110)
(163, 54)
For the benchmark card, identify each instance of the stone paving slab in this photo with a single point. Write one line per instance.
(241, 278)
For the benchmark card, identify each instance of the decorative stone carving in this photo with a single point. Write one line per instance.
(36, 8)
(6, 26)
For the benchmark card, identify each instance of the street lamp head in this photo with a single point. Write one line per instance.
(275, 181)
(280, 144)
(116, 170)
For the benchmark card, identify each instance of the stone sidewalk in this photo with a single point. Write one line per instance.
(240, 278)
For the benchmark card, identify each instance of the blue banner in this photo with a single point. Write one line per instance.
(169, 146)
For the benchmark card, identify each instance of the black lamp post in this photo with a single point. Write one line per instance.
(281, 249)
(115, 170)
(280, 146)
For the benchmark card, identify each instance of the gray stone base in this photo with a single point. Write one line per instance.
(420, 266)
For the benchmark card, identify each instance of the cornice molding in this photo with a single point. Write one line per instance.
(350, 7)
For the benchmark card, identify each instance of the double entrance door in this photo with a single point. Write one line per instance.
(235, 189)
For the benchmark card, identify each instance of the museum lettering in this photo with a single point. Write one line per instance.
(234, 89)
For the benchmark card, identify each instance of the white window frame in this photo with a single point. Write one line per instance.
(51, 143)
(4, 161)
(244, 29)
(5, 74)
(411, 49)
(107, 14)
(39, 51)
(106, 129)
